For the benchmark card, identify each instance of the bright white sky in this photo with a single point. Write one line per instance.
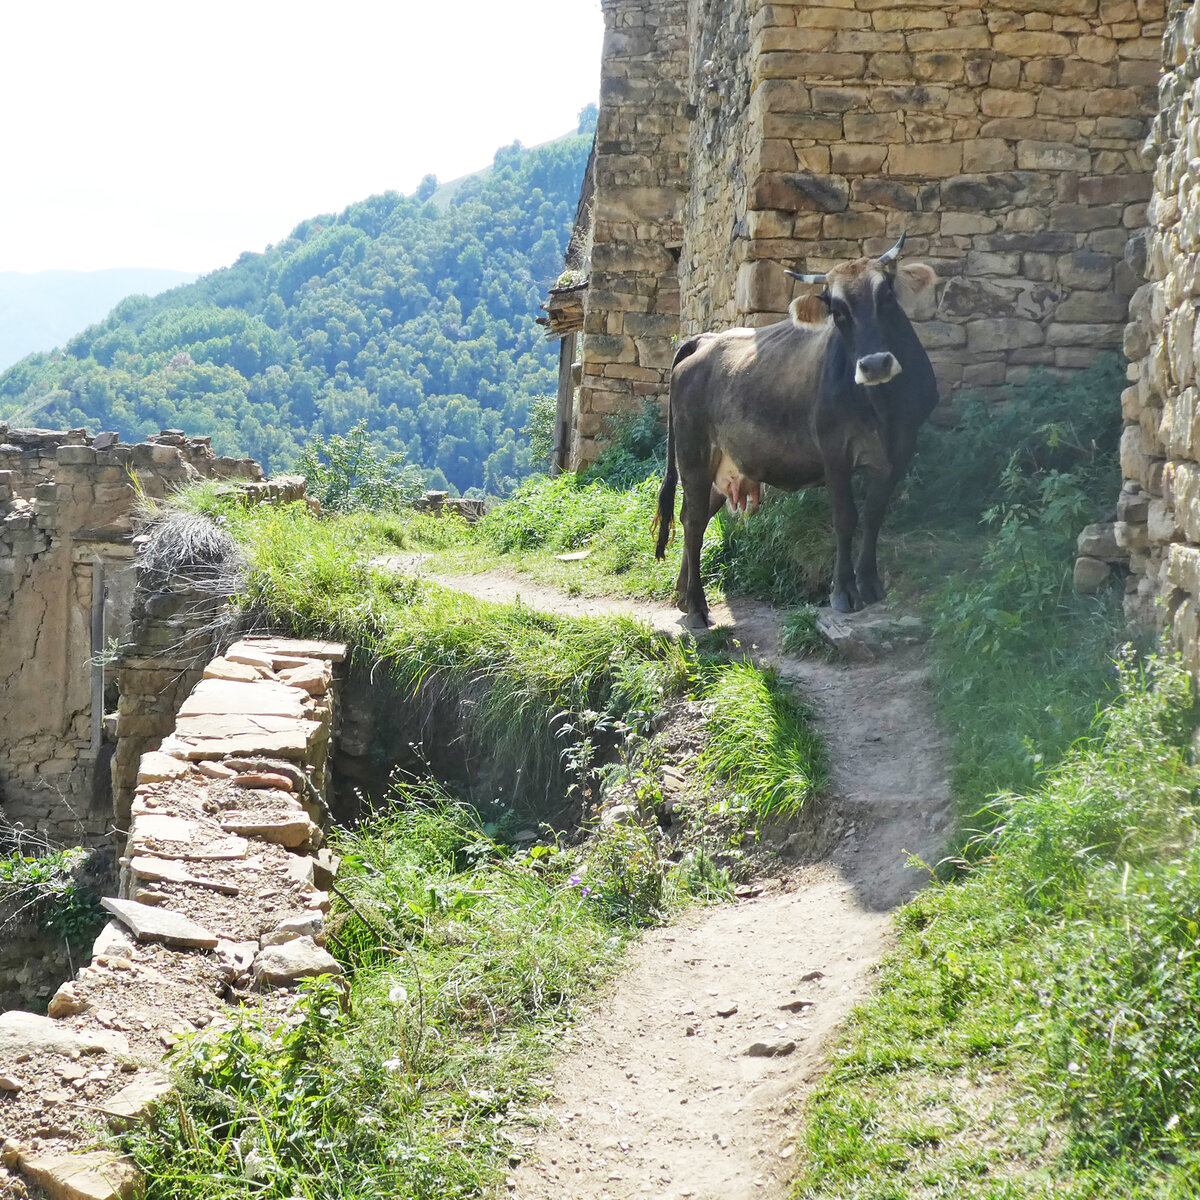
(178, 133)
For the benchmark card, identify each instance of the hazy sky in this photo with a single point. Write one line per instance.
(173, 133)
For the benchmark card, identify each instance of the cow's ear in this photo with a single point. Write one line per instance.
(913, 278)
(807, 311)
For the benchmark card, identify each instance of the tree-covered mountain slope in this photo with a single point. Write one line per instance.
(416, 318)
(43, 309)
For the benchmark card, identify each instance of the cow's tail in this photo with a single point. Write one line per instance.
(664, 520)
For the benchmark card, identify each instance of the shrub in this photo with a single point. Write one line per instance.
(348, 474)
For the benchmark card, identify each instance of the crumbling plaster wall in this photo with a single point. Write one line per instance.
(68, 503)
(1159, 507)
(1001, 136)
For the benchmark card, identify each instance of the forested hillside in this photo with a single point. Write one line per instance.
(43, 309)
(416, 318)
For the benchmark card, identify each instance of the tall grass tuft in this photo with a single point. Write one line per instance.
(760, 738)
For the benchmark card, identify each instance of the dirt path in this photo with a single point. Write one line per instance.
(655, 1094)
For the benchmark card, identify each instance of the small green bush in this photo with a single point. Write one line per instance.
(349, 474)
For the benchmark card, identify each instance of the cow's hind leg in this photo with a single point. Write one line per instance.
(716, 502)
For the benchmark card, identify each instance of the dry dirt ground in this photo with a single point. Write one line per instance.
(656, 1093)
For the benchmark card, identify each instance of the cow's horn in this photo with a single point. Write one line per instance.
(804, 278)
(894, 253)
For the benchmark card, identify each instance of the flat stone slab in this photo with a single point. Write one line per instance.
(156, 767)
(210, 849)
(96, 1175)
(265, 698)
(288, 829)
(162, 827)
(24, 1033)
(153, 924)
(223, 736)
(280, 966)
(294, 647)
(173, 870)
(138, 1097)
(241, 653)
(224, 668)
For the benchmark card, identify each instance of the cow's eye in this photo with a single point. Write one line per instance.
(841, 314)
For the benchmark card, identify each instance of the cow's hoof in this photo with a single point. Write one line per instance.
(697, 621)
(845, 601)
(871, 591)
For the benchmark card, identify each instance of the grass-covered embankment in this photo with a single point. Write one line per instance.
(464, 958)
(464, 961)
(1034, 1034)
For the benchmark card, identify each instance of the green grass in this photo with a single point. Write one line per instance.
(1036, 1031)
(463, 965)
(505, 676)
(760, 739)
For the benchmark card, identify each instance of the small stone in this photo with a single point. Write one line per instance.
(689, 1031)
(10, 1083)
(215, 770)
(620, 814)
(771, 1049)
(66, 1002)
(281, 966)
(1090, 575)
(727, 1010)
(289, 829)
(135, 1099)
(264, 779)
(306, 925)
(795, 1006)
(156, 767)
(314, 678)
(235, 672)
(810, 976)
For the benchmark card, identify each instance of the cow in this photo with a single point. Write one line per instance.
(843, 384)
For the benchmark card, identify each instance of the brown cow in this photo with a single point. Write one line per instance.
(842, 385)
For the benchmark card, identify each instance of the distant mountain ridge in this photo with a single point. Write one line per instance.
(413, 317)
(42, 309)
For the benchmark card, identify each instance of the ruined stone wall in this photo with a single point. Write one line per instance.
(68, 504)
(1001, 136)
(640, 174)
(720, 150)
(1159, 507)
(221, 904)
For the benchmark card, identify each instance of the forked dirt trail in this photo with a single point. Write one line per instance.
(657, 1094)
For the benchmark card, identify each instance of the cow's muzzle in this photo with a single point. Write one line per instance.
(874, 369)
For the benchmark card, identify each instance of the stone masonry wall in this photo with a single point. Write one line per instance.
(1001, 136)
(1159, 507)
(68, 503)
(640, 173)
(221, 897)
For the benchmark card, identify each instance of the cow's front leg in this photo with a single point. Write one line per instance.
(871, 588)
(845, 595)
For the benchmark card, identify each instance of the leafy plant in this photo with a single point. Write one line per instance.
(349, 474)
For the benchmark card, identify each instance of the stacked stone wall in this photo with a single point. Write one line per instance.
(640, 178)
(1159, 507)
(220, 905)
(1001, 136)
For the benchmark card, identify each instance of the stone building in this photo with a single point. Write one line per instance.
(68, 505)
(1159, 507)
(736, 136)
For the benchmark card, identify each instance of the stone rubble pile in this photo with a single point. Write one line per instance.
(222, 892)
